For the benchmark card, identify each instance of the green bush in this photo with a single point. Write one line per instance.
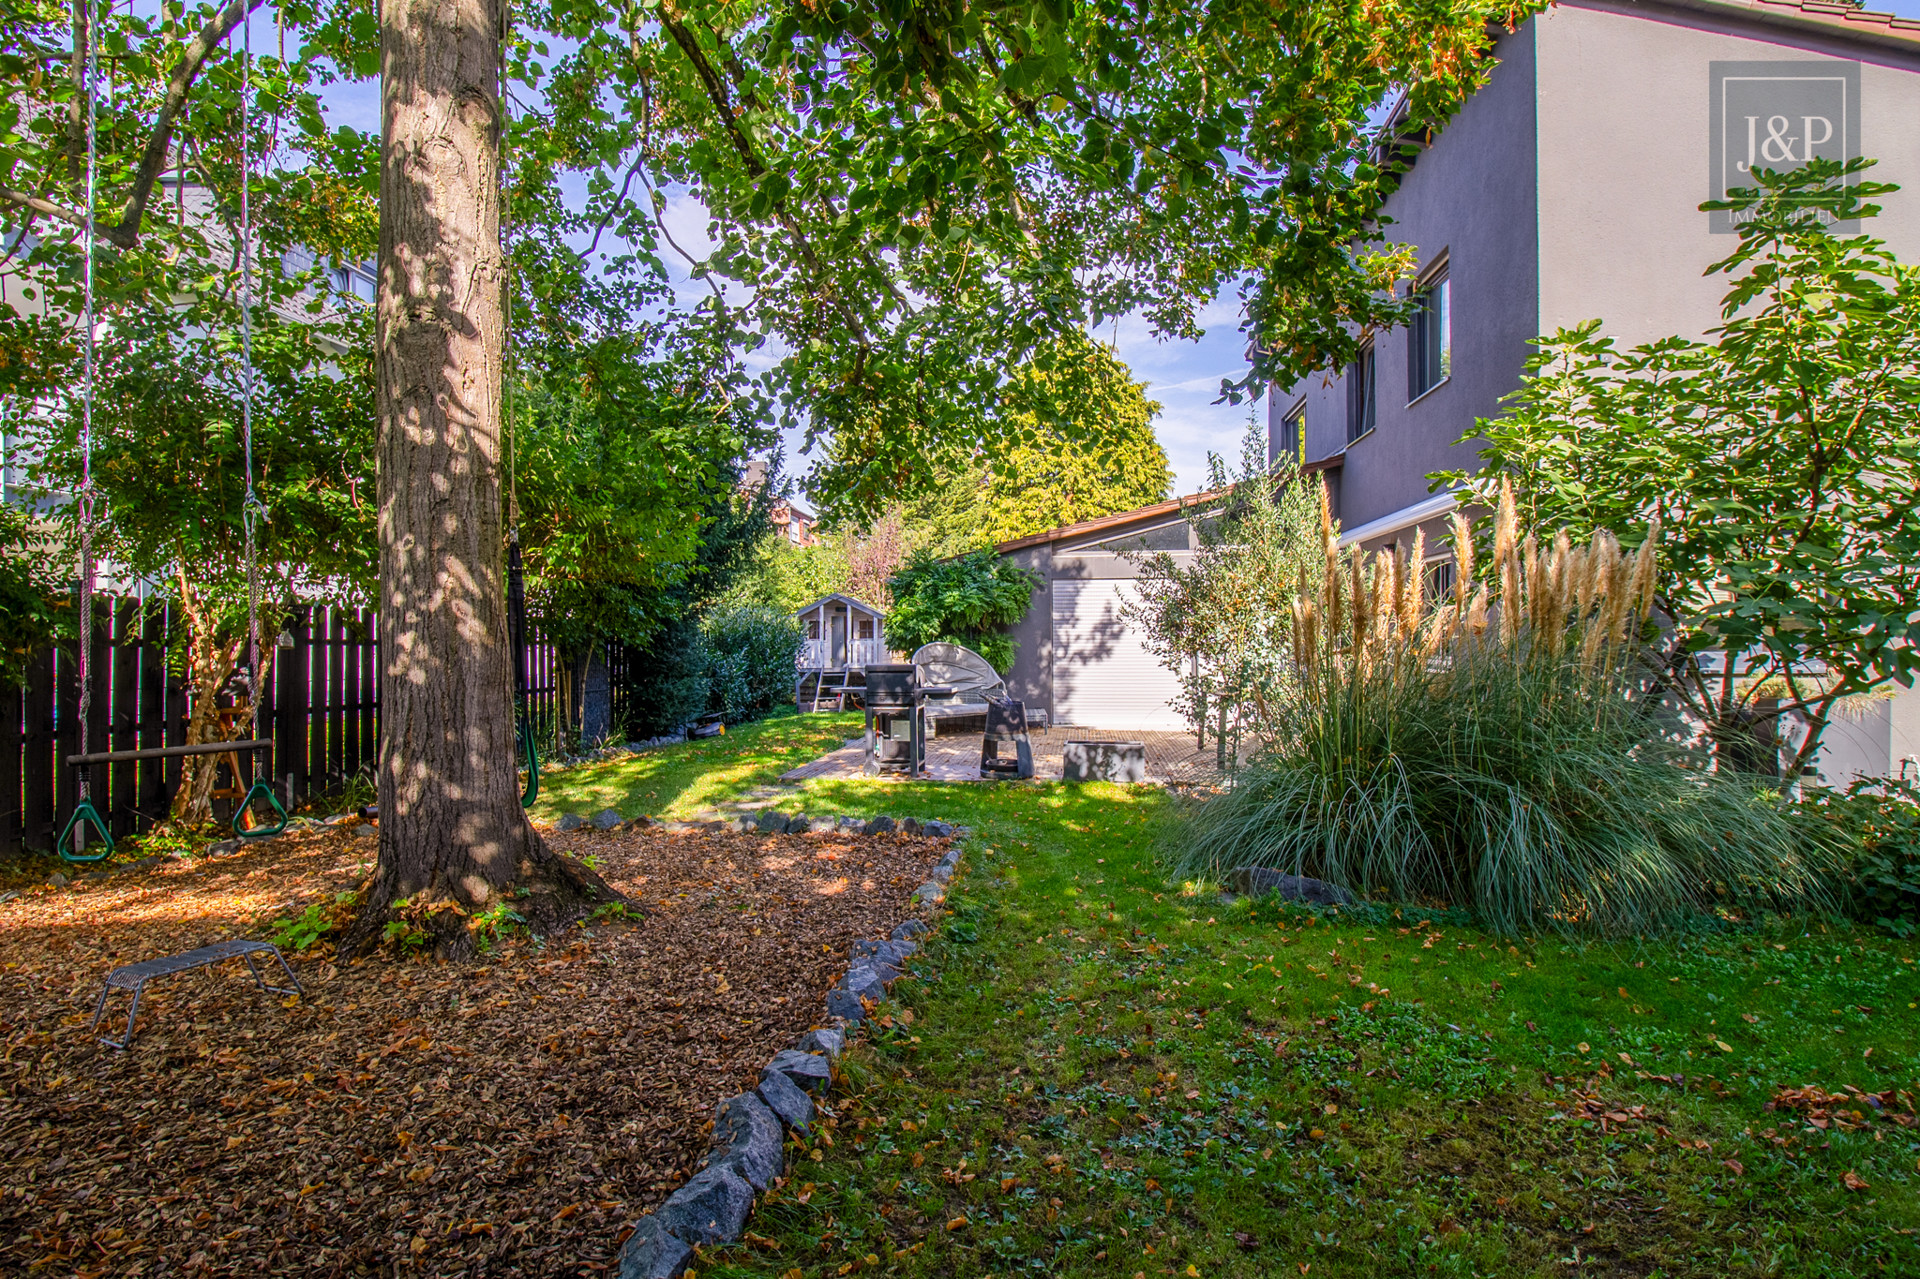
(671, 680)
(31, 608)
(751, 654)
(1878, 825)
(969, 599)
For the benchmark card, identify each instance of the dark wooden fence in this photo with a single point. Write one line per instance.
(321, 709)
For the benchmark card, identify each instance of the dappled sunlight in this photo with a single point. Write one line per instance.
(565, 1085)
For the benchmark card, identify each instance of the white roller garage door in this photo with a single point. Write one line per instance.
(1103, 677)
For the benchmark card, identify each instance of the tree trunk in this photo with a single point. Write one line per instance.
(453, 838)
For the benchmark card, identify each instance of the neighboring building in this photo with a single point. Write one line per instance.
(793, 522)
(1568, 189)
(1078, 661)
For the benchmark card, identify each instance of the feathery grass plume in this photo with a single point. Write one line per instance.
(1413, 586)
(1385, 604)
(1506, 562)
(1646, 576)
(1477, 613)
(1560, 591)
(1532, 583)
(1440, 631)
(1517, 775)
(1593, 635)
(1462, 560)
(1580, 562)
(1357, 604)
(1618, 605)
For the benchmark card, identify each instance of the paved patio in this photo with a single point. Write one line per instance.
(1171, 757)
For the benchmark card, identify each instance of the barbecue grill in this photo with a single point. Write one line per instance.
(896, 741)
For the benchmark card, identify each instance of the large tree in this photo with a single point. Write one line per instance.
(909, 202)
(1097, 457)
(453, 838)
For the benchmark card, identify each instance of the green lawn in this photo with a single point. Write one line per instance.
(678, 781)
(1097, 1072)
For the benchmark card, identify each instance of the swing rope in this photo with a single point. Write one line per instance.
(84, 812)
(523, 732)
(253, 511)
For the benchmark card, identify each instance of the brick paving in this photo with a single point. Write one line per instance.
(1171, 757)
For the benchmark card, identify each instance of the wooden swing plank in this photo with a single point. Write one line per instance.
(169, 752)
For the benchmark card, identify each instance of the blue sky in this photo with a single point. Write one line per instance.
(1184, 377)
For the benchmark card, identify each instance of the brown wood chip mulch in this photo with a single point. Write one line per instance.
(508, 1117)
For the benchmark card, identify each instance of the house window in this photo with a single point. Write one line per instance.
(813, 628)
(863, 629)
(1440, 578)
(1293, 435)
(1430, 338)
(1360, 394)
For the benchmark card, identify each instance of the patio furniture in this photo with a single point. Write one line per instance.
(1006, 726)
(971, 678)
(134, 977)
(1088, 761)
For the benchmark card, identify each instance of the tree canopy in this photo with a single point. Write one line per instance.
(1098, 457)
(904, 203)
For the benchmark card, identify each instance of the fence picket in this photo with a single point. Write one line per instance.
(321, 708)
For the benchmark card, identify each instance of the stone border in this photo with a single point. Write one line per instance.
(748, 1153)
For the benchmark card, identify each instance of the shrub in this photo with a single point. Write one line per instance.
(672, 680)
(752, 650)
(1496, 751)
(1220, 618)
(1878, 825)
(969, 599)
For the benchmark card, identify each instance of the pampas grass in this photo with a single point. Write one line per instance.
(1487, 750)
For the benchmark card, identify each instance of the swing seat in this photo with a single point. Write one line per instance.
(85, 811)
(133, 978)
(266, 830)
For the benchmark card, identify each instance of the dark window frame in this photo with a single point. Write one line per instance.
(1293, 428)
(1430, 334)
(1363, 393)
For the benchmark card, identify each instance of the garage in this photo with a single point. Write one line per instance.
(1103, 677)
(1077, 661)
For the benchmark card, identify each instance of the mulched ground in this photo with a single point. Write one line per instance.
(507, 1117)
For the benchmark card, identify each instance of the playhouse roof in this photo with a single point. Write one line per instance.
(836, 597)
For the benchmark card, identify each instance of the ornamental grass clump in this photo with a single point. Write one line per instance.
(1499, 749)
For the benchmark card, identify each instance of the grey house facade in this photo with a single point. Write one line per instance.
(1567, 189)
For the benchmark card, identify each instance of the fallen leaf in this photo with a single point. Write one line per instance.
(1853, 1181)
(958, 1223)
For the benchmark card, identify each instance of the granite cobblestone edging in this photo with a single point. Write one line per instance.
(748, 1153)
